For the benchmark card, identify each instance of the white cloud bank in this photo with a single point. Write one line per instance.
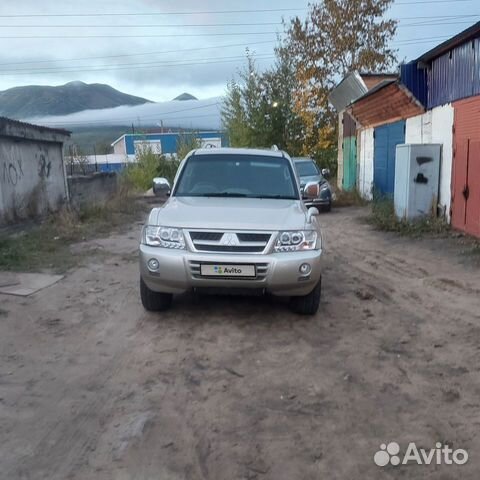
(196, 114)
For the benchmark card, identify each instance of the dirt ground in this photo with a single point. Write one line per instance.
(93, 387)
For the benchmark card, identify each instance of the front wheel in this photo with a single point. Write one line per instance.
(308, 304)
(154, 301)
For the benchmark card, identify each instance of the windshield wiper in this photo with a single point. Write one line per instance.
(225, 194)
(276, 197)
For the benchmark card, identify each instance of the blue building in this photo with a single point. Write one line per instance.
(164, 143)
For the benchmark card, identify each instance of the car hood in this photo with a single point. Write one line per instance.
(312, 178)
(230, 213)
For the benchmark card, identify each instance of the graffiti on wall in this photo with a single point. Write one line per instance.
(12, 172)
(44, 167)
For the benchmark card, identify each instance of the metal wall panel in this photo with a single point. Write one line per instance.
(466, 167)
(415, 79)
(348, 90)
(349, 163)
(454, 75)
(387, 137)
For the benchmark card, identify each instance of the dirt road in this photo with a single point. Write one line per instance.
(92, 387)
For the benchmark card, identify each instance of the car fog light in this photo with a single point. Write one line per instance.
(153, 264)
(305, 268)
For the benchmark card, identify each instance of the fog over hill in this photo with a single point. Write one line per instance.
(196, 114)
(38, 100)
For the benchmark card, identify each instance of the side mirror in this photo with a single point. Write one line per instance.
(311, 190)
(326, 172)
(312, 212)
(161, 186)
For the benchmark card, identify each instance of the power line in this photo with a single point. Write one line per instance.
(148, 14)
(431, 1)
(156, 62)
(129, 66)
(140, 54)
(151, 25)
(36, 37)
(433, 24)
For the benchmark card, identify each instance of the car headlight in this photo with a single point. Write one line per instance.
(293, 241)
(323, 187)
(165, 237)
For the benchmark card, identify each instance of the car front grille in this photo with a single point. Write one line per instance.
(260, 268)
(228, 241)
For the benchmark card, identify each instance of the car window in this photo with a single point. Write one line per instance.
(306, 169)
(230, 175)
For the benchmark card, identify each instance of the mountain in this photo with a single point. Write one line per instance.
(35, 100)
(185, 96)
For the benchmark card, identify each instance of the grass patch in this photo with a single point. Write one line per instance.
(383, 218)
(349, 199)
(47, 245)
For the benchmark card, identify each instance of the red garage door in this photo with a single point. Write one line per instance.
(466, 167)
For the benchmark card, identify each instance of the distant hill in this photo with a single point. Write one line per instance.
(35, 100)
(185, 96)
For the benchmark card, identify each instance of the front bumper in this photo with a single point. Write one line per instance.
(318, 202)
(277, 273)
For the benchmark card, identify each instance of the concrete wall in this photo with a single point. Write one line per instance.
(365, 162)
(92, 189)
(435, 126)
(32, 178)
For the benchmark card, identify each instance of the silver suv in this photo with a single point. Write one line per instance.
(235, 222)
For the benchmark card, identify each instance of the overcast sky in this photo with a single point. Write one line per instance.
(135, 62)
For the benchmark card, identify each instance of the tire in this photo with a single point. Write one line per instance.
(154, 301)
(308, 304)
(328, 208)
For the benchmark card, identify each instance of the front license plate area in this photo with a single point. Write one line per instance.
(224, 270)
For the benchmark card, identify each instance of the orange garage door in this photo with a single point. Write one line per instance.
(466, 167)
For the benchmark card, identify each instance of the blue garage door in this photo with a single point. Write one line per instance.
(387, 137)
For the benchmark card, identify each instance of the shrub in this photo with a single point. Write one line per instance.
(186, 143)
(383, 217)
(149, 165)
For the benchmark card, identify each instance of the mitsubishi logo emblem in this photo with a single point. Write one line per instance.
(230, 240)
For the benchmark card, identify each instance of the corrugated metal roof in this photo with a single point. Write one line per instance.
(347, 91)
(389, 102)
(455, 74)
(415, 79)
(462, 37)
(5, 122)
(372, 79)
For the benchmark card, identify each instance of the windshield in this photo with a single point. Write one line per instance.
(227, 175)
(306, 169)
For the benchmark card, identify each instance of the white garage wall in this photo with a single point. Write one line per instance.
(365, 162)
(435, 126)
(442, 132)
(419, 129)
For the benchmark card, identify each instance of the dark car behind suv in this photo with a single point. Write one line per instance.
(308, 171)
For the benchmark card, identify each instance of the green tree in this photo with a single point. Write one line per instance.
(337, 37)
(186, 142)
(258, 108)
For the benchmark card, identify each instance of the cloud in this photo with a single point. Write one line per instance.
(155, 82)
(197, 114)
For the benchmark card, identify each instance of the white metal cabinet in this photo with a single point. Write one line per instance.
(417, 178)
